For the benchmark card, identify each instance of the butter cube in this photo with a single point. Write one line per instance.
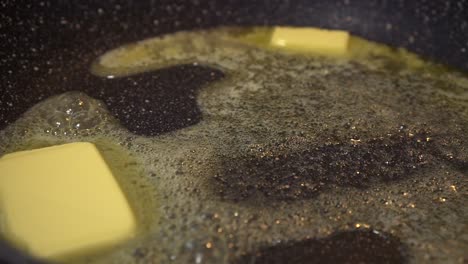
(312, 40)
(62, 200)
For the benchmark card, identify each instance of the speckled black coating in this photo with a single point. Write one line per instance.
(288, 176)
(43, 44)
(46, 47)
(360, 246)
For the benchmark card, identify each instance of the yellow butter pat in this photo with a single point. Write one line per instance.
(312, 40)
(61, 200)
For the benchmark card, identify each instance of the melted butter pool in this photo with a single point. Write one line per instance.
(374, 140)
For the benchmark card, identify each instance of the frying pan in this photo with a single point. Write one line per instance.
(46, 47)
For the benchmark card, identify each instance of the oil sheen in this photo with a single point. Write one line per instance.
(290, 147)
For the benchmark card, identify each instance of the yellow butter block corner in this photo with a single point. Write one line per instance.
(61, 200)
(312, 40)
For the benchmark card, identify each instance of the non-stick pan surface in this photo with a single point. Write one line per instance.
(46, 47)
